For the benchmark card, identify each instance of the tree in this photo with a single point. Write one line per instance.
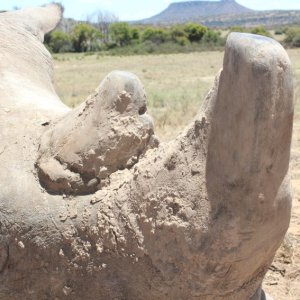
(178, 35)
(296, 41)
(195, 32)
(135, 33)
(102, 19)
(155, 35)
(120, 33)
(212, 36)
(292, 36)
(261, 30)
(84, 36)
(59, 41)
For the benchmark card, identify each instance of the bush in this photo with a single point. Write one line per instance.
(292, 36)
(127, 40)
(261, 30)
(237, 29)
(195, 32)
(58, 42)
(279, 31)
(120, 33)
(178, 35)
(85, 38)
(135, 34)
(296, 41)
(182, 41)
(155, 35)
(212, 36)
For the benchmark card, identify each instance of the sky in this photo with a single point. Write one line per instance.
(127, 10)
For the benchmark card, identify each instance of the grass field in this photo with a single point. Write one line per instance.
(176, 85)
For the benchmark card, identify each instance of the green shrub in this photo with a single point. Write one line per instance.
(178, 35)
(135, 34)
(120, 33)
(85, 38)
(211, 36)
(296, 41)
(182, 41)
(237, 29)
(292, 36)
(195, 32)
(127, 40)
(155, 35)
(279, 31)
(59, 42)
(261, 30)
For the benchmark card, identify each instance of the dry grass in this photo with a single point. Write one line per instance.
(176, 85)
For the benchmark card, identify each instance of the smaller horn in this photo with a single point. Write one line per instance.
(106, 133)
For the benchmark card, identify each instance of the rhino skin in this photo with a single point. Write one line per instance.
(92, 206)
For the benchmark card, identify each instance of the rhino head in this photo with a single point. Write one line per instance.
(92, 206)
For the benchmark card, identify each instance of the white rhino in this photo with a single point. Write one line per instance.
(93, 207)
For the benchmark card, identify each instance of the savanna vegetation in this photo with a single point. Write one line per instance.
(123, 38)
(108, 36)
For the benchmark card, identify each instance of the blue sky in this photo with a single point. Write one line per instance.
(135, 9)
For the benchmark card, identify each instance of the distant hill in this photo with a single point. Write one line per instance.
(269, 19)
(191, 11)
(223, 13)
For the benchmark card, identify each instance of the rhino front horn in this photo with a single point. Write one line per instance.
(106, 133)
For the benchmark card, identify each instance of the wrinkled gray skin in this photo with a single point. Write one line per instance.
(91, 207)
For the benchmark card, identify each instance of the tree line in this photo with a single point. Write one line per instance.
(86, 37)
(107, 34)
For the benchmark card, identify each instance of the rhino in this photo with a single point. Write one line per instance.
(93, 206)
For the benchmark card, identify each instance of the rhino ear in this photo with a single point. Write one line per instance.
(38, 20)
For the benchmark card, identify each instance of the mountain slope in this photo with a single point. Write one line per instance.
(181, 12)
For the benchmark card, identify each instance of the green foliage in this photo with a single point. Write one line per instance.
(195, 32)
(296, 41)
(212, 36)
(178, 35)
(125, 39)
(279, 31)
(182, 41)
(85, 38)
(237, 29)
(177, 31)
(135, 34)
(59, 42)
(120, 33)
(261, 30)
(155, 35)
(292, 37)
